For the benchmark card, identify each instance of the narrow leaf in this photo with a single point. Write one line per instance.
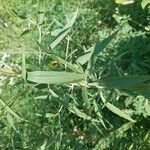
(71, 66)
(124, 2)
(25, 32)
(11, 122)
(64, 31)
(80, 114)
(100, 46)
(116, 110)
(10, 110)
(97, 111)
(23, 65)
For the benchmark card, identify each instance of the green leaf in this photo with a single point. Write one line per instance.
(80, 114)
(97, 111)
(50, 115)
(54, 77)
(64, 31)
(121, 82)
(19, 15)
(11, 121)
(25, 32)
(23, 65)
(144, 3)
(85, 58)
(10, 110)
(100, 46)
(73, 67)
(106, 141)
(116, 110)
(124, 2)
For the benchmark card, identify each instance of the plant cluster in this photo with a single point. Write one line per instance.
(75, 74)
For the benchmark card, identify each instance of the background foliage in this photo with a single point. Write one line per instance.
(109, 114)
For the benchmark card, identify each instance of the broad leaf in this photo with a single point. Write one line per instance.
(121, 82)
(54, 77)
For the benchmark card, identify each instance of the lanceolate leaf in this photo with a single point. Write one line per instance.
(8, 109)
(24, 65)
(64, 31)
(100, 46)
(116, 110)
(54, 77)
(73, 67)
(11, 121)
(122, 82)
(84, 58)
(81, 114)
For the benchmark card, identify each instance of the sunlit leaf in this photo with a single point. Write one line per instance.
(144, 3)
(84, 58)
(124, 2)
(54, 77)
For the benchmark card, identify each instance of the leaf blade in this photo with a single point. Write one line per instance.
(64, 31)
(100, 46)
(122, 82)
(116, 110)
(54, 77)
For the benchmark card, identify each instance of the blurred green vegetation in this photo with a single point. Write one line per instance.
(47, 120)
